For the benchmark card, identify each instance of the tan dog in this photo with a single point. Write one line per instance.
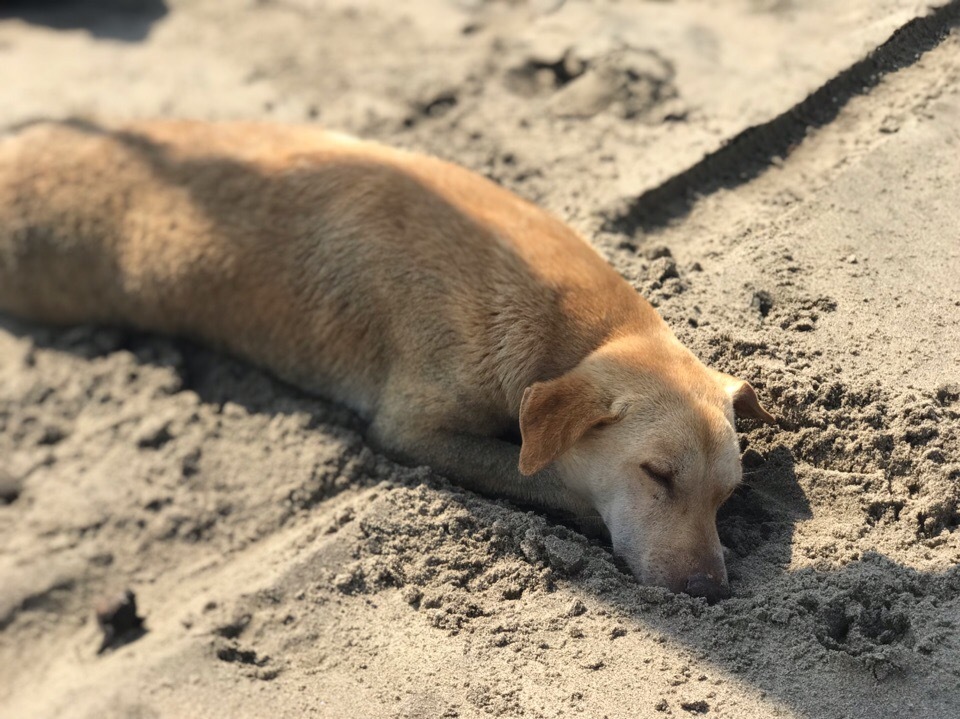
(440, 307)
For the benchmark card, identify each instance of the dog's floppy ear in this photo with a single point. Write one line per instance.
(745, 402)
(554, 415)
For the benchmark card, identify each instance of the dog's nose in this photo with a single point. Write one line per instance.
(708, 587)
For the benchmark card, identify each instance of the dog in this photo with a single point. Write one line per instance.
(444, 310)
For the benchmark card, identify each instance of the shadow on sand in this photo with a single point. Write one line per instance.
(125, 20)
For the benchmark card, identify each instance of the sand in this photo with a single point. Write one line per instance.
(779, 178)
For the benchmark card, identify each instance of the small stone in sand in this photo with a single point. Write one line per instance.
(9, 488)
(117, 618)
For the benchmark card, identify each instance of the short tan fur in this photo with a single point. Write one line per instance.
(443, 309)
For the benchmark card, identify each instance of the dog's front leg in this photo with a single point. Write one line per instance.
(482, 464)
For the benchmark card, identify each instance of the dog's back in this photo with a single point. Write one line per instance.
(324, 258)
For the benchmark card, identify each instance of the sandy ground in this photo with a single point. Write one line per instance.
(779, 178)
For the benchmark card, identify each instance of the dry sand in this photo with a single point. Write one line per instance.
(284, 570)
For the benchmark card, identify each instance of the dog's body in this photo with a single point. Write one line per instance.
(440, 307)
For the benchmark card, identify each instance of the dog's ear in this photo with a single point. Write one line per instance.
(745, 402)
(554, 415)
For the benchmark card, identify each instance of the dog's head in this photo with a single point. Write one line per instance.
(645, 433)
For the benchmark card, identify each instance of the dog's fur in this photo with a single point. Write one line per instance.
(443, 309)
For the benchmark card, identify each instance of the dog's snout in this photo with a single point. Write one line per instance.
(708, 587)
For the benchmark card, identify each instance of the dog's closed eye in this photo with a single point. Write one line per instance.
(663, 477)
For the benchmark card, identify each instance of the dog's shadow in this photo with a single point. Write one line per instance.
(216, 378)
(756, 524)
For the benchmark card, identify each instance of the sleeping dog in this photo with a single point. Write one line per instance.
(444, 310)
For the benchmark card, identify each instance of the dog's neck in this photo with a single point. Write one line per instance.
(549, 351)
